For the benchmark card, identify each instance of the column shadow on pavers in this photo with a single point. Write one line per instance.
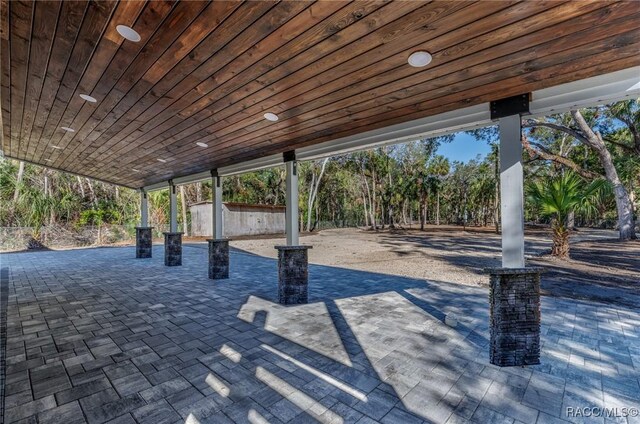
(287, 381)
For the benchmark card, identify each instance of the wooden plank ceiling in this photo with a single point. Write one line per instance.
(208, 72)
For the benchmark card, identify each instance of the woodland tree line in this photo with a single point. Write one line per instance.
(389, 187)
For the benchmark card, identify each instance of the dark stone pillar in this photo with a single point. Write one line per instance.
(514, 300)
(173, 249)
(218, 259)
(293, 276)
(144, 241)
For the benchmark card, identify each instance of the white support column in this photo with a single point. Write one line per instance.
(216, 205)
(173, 208)
(291, 216)
(144, 209)
(511, 192)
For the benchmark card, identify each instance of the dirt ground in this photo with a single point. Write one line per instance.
(601, 268)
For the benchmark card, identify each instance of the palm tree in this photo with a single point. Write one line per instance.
(557, 198)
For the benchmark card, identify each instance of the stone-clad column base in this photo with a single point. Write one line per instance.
(293, 275)
(172, 249)
(144, 241)
(514, 300)
(218, 259)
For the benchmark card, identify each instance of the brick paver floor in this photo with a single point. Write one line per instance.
(96, 336)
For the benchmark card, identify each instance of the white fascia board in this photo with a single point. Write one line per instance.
(602, 89)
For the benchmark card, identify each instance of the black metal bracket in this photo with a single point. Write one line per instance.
(289, 156)
(214, 174)
(515, 105)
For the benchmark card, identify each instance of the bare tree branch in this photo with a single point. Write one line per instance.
(573, 133)
(625, 147)
(591, 138)
(546, 155)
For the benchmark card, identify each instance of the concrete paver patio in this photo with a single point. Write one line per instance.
(96, 336)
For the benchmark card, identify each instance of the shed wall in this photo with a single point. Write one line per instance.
(238, 220)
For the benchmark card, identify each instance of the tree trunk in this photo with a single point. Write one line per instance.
(560, 247)
(301, 224)
(438, 207)
(632, 199)
(81, 187)
(310, 201)
(93, 194)
(374, 206)
(364, 207)
(571, 221)
(313, 192)
(423, 211)
(410, 215)
(199, 192)
(464, 210)
(317, 219)
(183, 200)
(623, 202)
(49, 193)
(372, 218)
(16, 192)
(404, 212)
(45, 183)
(625, 213)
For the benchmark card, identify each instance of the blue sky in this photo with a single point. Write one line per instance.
(463, 148)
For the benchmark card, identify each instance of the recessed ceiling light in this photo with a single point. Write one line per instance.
(419, 59)
(128, 33)
(67, 129)
(88, 98)
(202, 144)
(162, 160)
(271, 116)
(56, 147)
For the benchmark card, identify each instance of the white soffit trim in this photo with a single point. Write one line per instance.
(593, 91)
(252, 165)
(588, 92)
(240, 168)
(445, 123)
